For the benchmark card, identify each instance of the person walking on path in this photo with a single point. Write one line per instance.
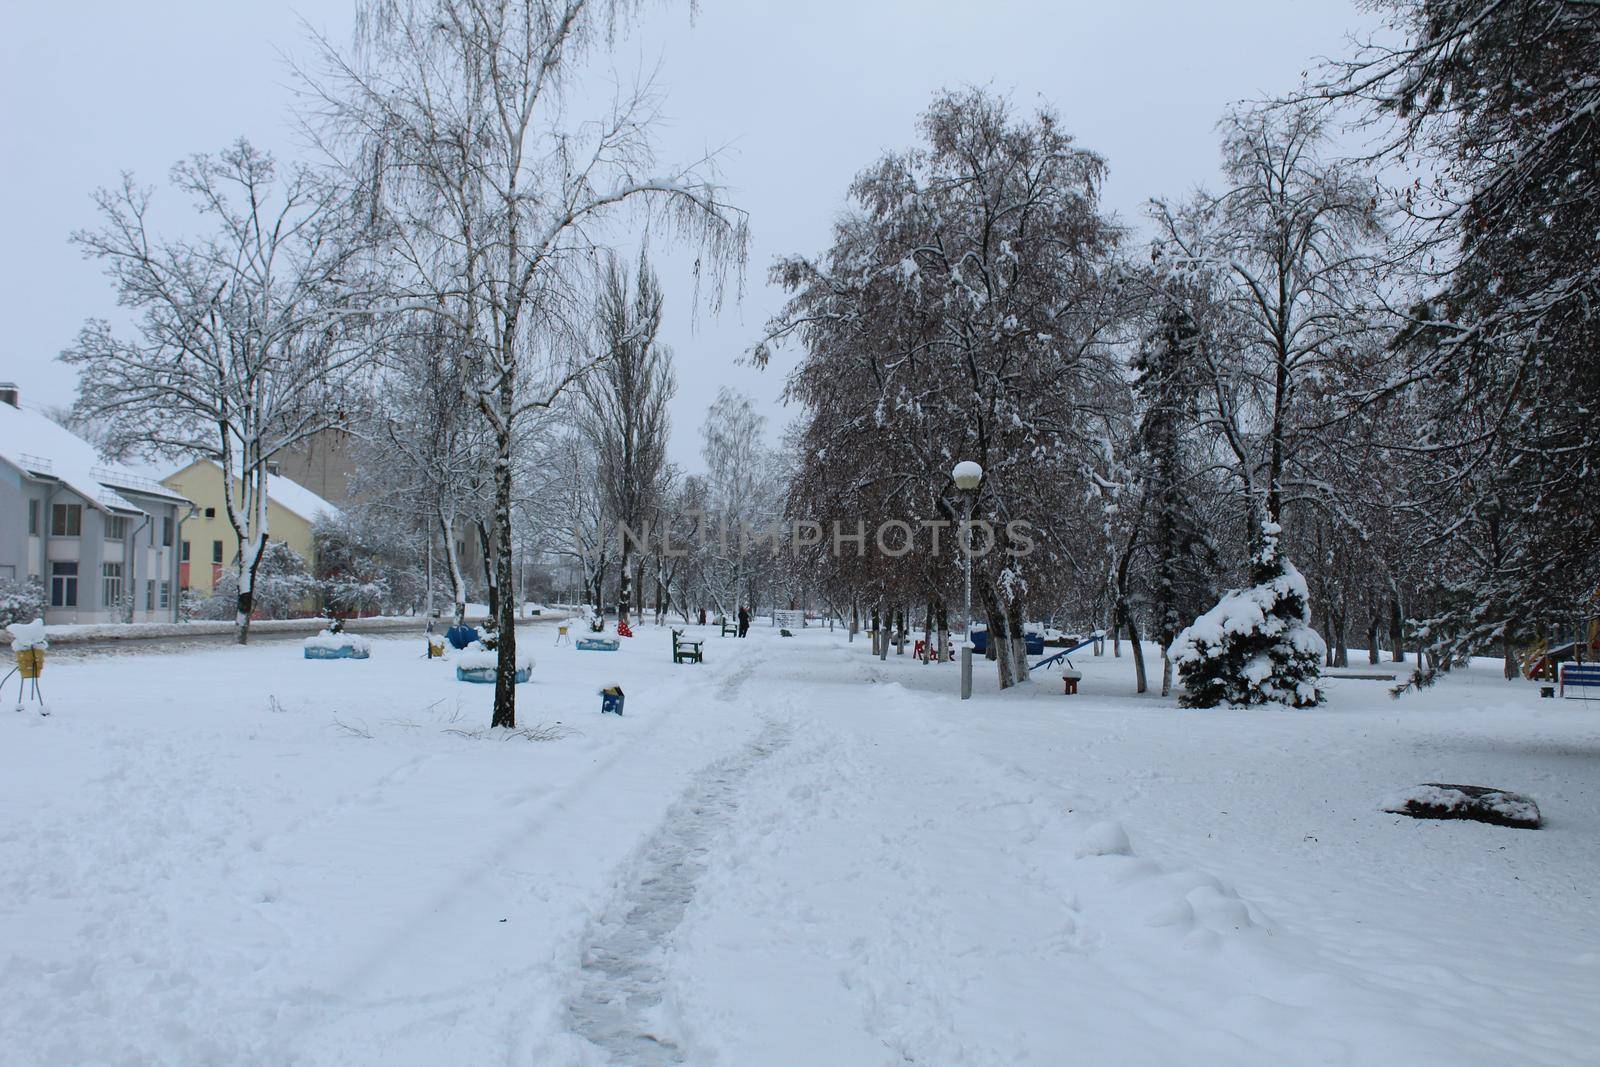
(744, 620)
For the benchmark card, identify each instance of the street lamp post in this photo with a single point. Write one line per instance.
(967, 475)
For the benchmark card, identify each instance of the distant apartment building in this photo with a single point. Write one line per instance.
(101, 538)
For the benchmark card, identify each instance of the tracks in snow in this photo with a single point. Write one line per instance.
(622, 976)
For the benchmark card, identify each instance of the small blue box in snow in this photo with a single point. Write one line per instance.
(611, 700)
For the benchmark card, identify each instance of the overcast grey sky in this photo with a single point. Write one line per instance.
(805, 93)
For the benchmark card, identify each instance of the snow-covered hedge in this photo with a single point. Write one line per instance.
(333, 641)
(21, 599)
(1257, 645)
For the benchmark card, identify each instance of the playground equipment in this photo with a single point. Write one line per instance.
(460, 636)
(1582, 678)
(336, 644)
(1071, 676)
(563, 634)
(598, 644)
(1542, 660)
(1096, 638)
(487, 675)
(1032, 639)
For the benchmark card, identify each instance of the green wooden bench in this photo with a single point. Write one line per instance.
(684, 651)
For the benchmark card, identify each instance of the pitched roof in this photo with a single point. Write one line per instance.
(44, 449)
(286, 493)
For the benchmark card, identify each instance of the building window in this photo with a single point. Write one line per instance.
(216, 552)
(183, 552)
(33, 518)
(211, 513)
(116, 527)
(64, 583)
(110, 584)
(150, 595)
(166, 531)
(66, 520)
(166, 595)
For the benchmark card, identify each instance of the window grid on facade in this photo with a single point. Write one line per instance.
(110, 584)
(66, 520)
(64, 584)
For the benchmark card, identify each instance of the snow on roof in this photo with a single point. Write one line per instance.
(289, 494)
(298, 499)
(38, 445)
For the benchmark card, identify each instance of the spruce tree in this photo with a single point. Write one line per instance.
(1257, 645)
(1183, 551)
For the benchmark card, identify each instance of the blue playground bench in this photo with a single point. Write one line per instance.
(1583, 677)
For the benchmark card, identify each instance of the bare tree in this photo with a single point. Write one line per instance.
(624, 405)
(452, 120)
(245, 340)
(1289, 250)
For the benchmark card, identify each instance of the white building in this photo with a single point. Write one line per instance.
(100, 538)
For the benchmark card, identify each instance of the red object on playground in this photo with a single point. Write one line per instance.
(1070, 685)
(921, 651)
(623, 629)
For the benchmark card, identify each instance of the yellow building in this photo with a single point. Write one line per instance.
(209, 543)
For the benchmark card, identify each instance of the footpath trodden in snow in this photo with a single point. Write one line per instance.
(792, 854)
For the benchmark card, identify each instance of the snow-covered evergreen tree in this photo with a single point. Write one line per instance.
(1184, 555)
(1257, 645)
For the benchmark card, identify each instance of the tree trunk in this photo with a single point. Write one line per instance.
(1016, 632)
(1397, 632)
(999, 641)
(1141, 684)
(1166, 672)
(505, 681)
(490, 545)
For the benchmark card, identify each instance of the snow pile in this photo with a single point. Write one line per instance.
(334, 641)
(1256, 646)
(1104, 839)
(26, 635)
(476, 657)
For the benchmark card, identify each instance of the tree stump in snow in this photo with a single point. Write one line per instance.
(1437, 800)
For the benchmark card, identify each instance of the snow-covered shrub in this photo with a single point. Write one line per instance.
(367, 564)
(284, 589)
(21, 600)
(1257, 645)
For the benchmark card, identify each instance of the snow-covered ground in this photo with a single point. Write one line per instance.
(792, 854)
